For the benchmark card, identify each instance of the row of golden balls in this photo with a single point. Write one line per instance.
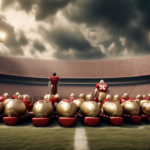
(84, 104)
(14, 106)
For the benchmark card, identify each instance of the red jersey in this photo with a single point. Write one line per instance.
(105, 100)
(54, 80)
(102, 87)
(2, 98)
(147, 98)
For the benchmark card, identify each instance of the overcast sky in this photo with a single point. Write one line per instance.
(75, 29)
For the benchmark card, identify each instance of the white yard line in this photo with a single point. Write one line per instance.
(80, 139)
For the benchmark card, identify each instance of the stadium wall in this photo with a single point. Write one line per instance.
(31, 76)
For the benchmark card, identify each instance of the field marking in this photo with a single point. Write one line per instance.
(80, 139)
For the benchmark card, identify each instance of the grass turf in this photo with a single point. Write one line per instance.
(28, 137)
(127, 136)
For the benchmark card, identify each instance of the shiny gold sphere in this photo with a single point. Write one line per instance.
(6, 102)
(148, 95)
(125, 95)
(131, 107)
(17, 93)
(1, 107)
(6, 95)
(89, 97)
(48, 97)
(56, 96)
(15, 108)
(116, 98)
(78, 102)
(145, 107)
(112, 108)
(26, 97)
(139, 96)
(90, 108)
(66, 108)
(72, 95)
(109, 97)
(144, 96)
(18, 97)
(42, 109)
(82, 96)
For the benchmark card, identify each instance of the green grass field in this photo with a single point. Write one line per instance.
(26, 136)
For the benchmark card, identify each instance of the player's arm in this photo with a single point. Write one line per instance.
(95, 92)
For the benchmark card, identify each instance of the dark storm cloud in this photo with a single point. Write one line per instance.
(39, 46)
(44, 8)
(22, 38)
(11, 41)
(64, 40)
(128, 19)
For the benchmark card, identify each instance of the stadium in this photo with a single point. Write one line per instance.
(74, 75)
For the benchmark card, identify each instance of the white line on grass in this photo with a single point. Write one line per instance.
(80, 139)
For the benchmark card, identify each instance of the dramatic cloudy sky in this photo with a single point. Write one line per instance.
(75, 29)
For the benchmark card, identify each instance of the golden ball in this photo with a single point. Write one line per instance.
(26, 97)
(144, 96)
(72, 95)
(125, 95)
(89, 97)
(1, 107)
(48, 97)
(6, 95)
(109, 97)
(145, 107)
(116, 98)
(56, 96)
(90, 108)
(6, 102)
(131, 107)
(66, 108)
(17, 93)
(15, 108)
(112, 109)
(78, 102)
(139, 96)
(42, 109)
(18, 97)
(82, 96)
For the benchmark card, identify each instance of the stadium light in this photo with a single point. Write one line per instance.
(2, 37)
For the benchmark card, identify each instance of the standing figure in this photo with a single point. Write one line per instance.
(54, 82)
(100, 91)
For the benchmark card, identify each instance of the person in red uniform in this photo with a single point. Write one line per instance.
(54, 82)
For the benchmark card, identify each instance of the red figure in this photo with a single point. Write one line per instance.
(54, 81)
(102, 87)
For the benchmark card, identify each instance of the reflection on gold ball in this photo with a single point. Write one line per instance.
(144, 96)
(82, 96)
(72, 95)
(139, 96)
(48, 97)
(78, 102)
(6, 95)
(1, 107)
(15, 108)
(66, 108)
(89, 97)
(145, 107)
(131, 107)
(90, 108)
(109, 97)
(26, 97)
(56, 96)
(112, 109)
(116, 98)
(17, 93)
(6, 102)
(43, 109)
(18, 97)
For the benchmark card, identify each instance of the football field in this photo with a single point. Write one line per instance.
(25, 137)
